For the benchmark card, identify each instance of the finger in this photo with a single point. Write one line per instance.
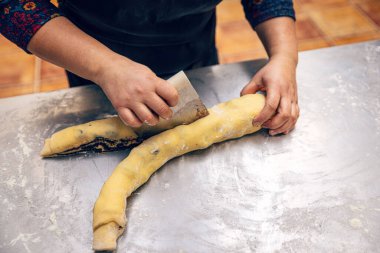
(295, 93)
(158, 105)
(145, 115)
(167, 92)
(291, 129)
(290, 124)
(284, 129)
(252, 87)
(128, 117)
(271, 104)
(282, 116)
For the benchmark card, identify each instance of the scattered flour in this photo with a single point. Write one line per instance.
(53, 221)
(356, 223)
(9, 205)
(28, 193)
(23, 238)
(11, 182)
(26, 150)
(37, 239)
(357, 208)
(24, 180)
(218, 110)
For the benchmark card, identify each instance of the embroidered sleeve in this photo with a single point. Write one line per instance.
(21, 19)
(258, 11)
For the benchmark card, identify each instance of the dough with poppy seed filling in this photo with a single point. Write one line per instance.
(112, 134)
(98, 136)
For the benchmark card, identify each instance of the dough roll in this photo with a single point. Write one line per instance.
(112, 134)
(225, 121)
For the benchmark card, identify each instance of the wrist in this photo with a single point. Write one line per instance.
(290, 58)
(107, 64)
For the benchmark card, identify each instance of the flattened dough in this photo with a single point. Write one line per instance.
(99, 136)
(228, 120)
(112, 134)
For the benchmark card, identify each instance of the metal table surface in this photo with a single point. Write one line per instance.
(315, 190)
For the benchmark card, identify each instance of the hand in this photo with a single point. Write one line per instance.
(278, 79)
(137, 94)
(134, 90)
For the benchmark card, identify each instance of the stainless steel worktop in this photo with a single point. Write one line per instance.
(315, 190)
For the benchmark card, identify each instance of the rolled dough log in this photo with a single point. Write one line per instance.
(228, 120)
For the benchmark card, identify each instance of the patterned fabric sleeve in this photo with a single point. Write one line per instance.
(21, 19)
(258, 11)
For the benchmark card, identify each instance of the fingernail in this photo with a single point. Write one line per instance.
(272, 133)
(170, 115)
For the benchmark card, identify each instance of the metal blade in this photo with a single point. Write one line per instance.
(189, 108)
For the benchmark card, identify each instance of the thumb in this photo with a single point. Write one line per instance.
(252, 87)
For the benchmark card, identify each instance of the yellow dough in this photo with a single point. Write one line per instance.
(228, 120)
(112, 134)
(99, 135)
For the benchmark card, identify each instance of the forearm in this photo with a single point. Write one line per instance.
(60, 42)
(278, 36)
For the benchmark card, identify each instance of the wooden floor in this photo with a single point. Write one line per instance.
(319, 24)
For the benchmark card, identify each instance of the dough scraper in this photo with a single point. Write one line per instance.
(189, 108)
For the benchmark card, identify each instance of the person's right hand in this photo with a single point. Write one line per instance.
(134, 90)
(138, 95)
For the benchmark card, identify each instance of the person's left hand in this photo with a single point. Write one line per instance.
(278, 79)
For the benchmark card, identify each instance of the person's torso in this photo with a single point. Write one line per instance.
(143, 22)
(165, 35)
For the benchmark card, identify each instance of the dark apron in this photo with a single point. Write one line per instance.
(165, 35)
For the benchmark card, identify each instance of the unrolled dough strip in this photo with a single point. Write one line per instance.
(112, 134)
(98, 136)
(228, 120)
